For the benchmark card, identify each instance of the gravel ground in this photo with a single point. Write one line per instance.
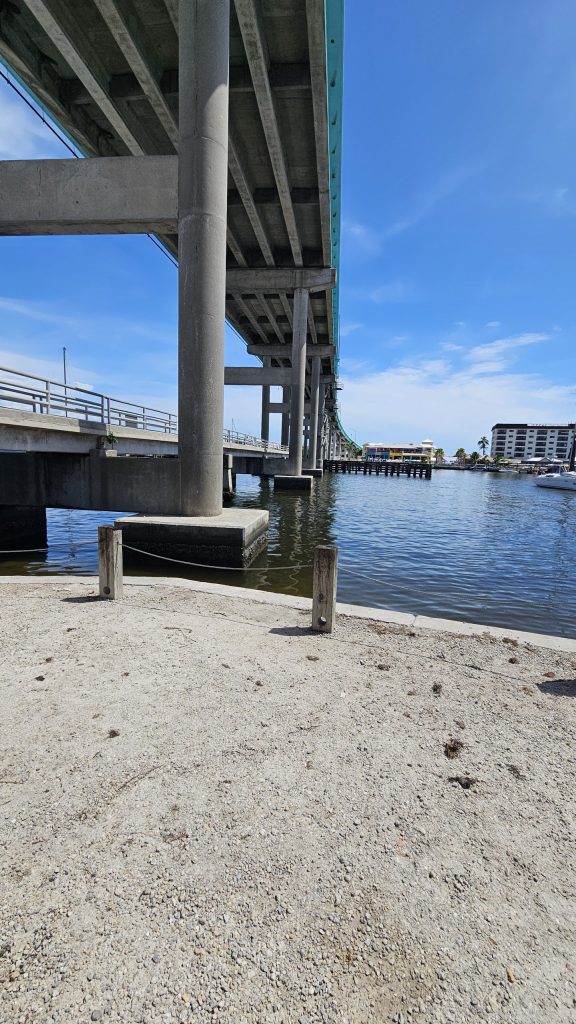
(210, 814)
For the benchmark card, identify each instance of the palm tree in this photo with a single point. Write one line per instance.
(440, 455)
(483, 443)
(473, 457)
(461, 455)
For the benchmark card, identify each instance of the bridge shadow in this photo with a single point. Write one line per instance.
(83, 599)
(558, 687)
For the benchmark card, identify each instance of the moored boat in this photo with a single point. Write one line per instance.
(563, 480)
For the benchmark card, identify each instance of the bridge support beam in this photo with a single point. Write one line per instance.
(202, 204)
(265, 424)
(314, 411)
(295, 479)
(285, 429)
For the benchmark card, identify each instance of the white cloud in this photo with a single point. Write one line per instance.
(22, 134)
(86, 326)
(493, 349)
(354, 365)
(391, 292)
(47, 369)
(360, 238)
(493, 323)
(428, 400)
(347, 329)
(425, 203)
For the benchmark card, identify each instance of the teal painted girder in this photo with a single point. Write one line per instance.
(335, 90)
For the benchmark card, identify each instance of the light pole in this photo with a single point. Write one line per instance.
(65, 381)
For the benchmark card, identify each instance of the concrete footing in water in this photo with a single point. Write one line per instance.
(293, 483)
(22, 527)
(316, 474)
(234, 538)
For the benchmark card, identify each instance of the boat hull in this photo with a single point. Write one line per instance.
(558, 481)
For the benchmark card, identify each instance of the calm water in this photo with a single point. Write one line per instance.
(479, 546)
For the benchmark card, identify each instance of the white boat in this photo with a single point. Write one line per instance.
(563, 480)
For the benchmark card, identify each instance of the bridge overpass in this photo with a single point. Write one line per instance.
(215, 124)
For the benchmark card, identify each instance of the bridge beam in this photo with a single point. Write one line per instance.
(103, 195)
(247, 280)
(285, 351)
(261, 376)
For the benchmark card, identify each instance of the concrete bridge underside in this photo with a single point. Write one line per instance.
(217, 125)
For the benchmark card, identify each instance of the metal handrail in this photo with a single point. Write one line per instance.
(54, 397)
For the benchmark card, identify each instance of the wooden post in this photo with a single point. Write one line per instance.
(324, 588)
(110, 562)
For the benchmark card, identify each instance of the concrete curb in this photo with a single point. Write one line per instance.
(433, 625)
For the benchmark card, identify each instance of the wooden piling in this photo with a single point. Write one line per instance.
(110, 567)
(324, 584)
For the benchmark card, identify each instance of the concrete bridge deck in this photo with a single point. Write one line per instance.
(41, 432)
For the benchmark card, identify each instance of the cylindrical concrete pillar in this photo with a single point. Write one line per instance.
(285, 434)
(320, 432)
(298, 379)
(314, 410)
(204, 31)
(265, 426)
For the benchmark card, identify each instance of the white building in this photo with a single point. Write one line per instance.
(532, 441)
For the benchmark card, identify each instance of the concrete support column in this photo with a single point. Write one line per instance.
(320, 432)
(285, 434)
(265, 426)
(204, 30)
(314, 411)
(299, 333)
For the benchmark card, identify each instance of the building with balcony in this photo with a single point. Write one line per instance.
(522, 441)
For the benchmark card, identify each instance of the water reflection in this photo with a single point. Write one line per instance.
(490, 549)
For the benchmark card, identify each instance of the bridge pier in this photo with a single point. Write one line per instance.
(295, 479)
(203, 532)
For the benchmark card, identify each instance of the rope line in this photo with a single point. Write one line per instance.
(363, 576)
(30, 551)
(215, 568)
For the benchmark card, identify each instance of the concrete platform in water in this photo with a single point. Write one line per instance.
(234, 538)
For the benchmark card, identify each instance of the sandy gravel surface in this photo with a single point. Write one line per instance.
(209, 814)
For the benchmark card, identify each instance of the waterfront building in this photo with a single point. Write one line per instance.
(524, 441)
(424, 451)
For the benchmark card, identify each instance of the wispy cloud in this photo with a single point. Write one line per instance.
(495, 349)
(392, 292)
(22, 134)
(556, 200)
(426, 202)
(347, 329)
(429, 399)
(83, 326)
(360, 238)
(493, 323)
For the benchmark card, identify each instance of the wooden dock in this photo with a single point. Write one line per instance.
(422, 470)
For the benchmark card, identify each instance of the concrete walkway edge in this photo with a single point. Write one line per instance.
(455, 626)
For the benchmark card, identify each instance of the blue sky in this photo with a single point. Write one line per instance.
(459, 237)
